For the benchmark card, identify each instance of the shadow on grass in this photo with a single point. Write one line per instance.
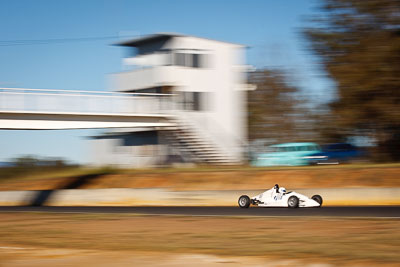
(43, 196)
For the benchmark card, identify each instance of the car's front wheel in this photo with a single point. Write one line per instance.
(244, 202)
(318, 199)
(293, 202)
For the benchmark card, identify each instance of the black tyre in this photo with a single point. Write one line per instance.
(293, 202)
(244, 202)
(317, 198)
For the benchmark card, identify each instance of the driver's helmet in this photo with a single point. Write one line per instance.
(282, 190)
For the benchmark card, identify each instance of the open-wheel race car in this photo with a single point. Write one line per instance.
(278, 197)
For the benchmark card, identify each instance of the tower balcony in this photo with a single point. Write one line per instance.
(160, 76)
(146, 78)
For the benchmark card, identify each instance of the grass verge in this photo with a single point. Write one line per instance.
(208, 178)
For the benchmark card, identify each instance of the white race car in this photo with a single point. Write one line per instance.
(278, 197)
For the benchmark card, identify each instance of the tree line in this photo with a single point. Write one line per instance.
(357, 44)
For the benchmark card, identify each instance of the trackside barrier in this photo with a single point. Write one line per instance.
(162, 197)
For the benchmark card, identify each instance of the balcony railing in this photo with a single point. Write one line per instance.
(147, 78)
(22, 100)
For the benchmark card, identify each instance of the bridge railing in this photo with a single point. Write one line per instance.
(83, 102)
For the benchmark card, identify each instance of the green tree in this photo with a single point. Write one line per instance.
(26, 161)
(275, 109)
(358, 44)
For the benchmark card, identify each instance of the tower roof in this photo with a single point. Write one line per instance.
(158, 37)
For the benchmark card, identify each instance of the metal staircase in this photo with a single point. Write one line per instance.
(196, 148)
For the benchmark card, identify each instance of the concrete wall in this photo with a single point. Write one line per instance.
(161, 197)
(111, 151)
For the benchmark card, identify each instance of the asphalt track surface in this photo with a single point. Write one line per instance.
(353, 211)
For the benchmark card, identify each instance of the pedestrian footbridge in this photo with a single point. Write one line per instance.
(47, 109)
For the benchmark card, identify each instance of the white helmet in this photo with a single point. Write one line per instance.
(282, 190)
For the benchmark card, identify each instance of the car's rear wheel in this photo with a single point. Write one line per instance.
(244, 202)
(318, 199)
(293, 202)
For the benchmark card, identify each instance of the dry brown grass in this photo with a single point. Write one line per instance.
(221, 178)
(332, 240)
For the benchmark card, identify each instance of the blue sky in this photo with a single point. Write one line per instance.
(270, 29)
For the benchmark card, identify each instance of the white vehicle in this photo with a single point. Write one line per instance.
(278, 197)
